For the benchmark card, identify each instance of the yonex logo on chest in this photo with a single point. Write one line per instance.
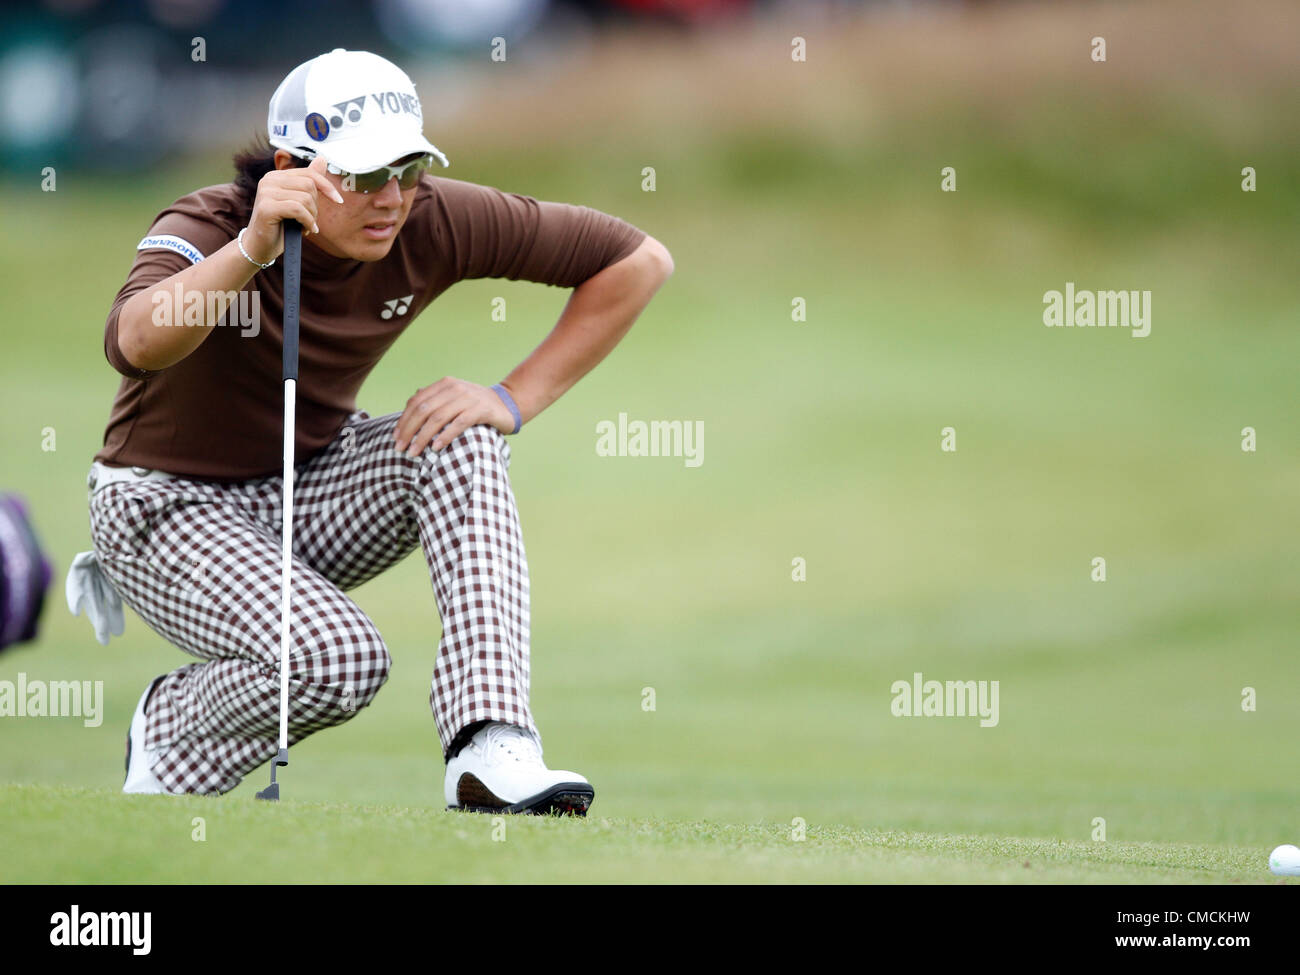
(396, 306)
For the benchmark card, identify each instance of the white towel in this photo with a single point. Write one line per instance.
(88, 586)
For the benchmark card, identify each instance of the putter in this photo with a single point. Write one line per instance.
(292, 284)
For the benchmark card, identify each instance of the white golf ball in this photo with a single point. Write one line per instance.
(1285, 861)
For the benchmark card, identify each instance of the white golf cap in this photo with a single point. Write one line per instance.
(356, 109)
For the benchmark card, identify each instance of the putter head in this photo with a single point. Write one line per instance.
(272, 791)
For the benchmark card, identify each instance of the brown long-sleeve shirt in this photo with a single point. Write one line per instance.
(217, 414)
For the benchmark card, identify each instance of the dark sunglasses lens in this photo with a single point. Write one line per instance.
(370, 182)
(376, 180)
(412, 173)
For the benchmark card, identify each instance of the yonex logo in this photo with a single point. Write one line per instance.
(398, 306)
(280, 128)
(397, 102)
(350, 110)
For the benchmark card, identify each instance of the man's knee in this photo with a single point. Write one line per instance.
(370, 662)
(346, 670)
(478, 445)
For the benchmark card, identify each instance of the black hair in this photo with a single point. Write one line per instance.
(255, 161)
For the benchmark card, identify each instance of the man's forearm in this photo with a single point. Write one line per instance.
(597, 316)
(142, 334)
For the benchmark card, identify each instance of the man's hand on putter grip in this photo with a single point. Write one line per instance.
(440, 413)
(286, 194)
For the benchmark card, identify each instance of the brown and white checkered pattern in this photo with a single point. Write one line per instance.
(200, 563)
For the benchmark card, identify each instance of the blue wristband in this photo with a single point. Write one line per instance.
(510, 405)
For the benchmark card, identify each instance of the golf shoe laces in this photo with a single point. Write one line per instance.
(506, 742)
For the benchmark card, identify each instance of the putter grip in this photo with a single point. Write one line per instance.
(292, 288)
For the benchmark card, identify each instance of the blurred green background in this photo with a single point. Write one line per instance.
(778, 179)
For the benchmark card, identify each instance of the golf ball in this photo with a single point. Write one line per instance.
(1285, 861)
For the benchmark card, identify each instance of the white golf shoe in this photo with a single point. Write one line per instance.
(139, 776)
(501, 770)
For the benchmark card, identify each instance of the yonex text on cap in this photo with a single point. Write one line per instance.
(357, 110)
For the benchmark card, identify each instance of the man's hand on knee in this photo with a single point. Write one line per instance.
(440, 413)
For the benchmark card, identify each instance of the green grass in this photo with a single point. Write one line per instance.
(1119, 700)
(128, 839)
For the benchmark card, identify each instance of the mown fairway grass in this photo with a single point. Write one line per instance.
(127, 838)
(1118, 700)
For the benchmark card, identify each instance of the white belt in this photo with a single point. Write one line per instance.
(102, 475)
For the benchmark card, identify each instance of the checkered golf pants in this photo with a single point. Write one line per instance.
(200, 563)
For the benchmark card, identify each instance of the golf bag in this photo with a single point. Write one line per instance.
(24, 574)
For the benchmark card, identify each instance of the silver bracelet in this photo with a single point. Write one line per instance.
(240, 241)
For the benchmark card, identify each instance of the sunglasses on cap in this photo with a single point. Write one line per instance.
(407, 175)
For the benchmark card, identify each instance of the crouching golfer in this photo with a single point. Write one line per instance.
(186, 496)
